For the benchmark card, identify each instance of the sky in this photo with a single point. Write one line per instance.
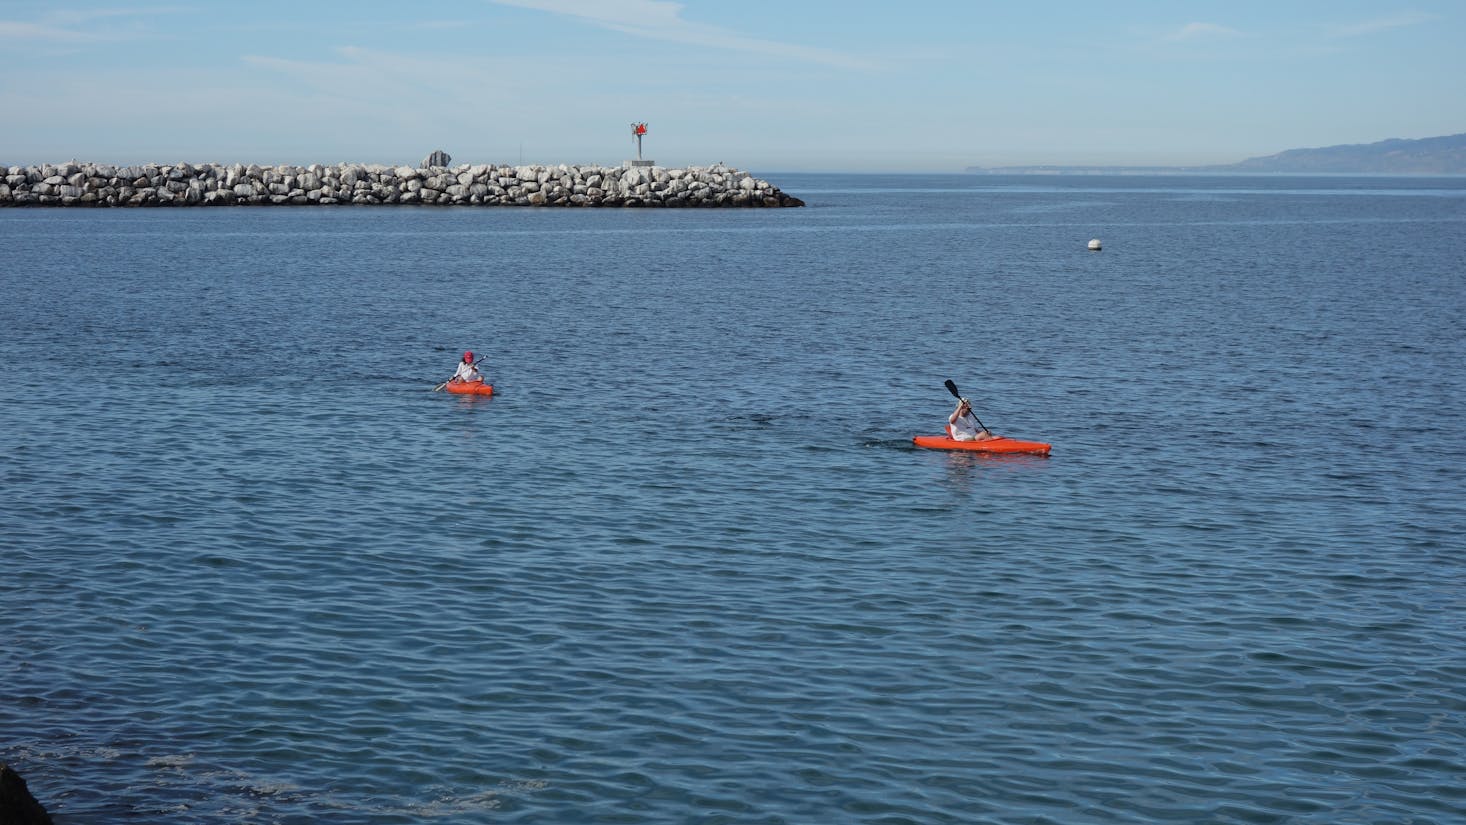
(762, 85)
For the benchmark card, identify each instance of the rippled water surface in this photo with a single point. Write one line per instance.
(685, 566)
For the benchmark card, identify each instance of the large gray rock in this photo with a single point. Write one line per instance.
(437, 158)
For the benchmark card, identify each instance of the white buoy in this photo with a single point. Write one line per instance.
(1094, 245)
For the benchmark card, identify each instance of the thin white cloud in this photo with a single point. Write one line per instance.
(663, 20)
(77, 17)
(1380, 24)
(360, 74)
(17, 31)
(74, 26)
(1196, 31)
(368, 77)
(443, 25)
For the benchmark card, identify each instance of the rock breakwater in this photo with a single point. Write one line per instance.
(210, 184)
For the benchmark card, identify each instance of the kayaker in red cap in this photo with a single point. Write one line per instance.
(963, 426)
(467, 370)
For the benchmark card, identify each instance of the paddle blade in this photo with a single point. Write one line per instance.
(952, 388)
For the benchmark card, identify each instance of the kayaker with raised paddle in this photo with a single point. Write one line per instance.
(964, 426)
(467, 370)
(467, 373)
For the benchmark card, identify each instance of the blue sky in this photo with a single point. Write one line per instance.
(765, 85)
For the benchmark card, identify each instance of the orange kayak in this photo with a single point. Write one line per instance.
(995, 445)
(469, 388)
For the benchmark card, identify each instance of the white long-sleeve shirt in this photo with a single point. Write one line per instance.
(467, 372)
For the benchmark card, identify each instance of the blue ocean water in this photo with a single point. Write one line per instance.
(685, 566)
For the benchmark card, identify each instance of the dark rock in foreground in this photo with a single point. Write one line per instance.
(17, 806)
(183, 184)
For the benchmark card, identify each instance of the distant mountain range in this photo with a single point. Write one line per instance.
(1426, 156)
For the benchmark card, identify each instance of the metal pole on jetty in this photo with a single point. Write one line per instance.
(637, 131)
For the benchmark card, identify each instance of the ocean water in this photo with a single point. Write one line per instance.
(686, 566)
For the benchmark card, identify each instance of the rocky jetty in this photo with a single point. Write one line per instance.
(212, 184)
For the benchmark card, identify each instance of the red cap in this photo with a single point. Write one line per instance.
(468, 356)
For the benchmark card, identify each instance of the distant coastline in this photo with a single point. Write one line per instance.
(1090, 170)
(1437, 156)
